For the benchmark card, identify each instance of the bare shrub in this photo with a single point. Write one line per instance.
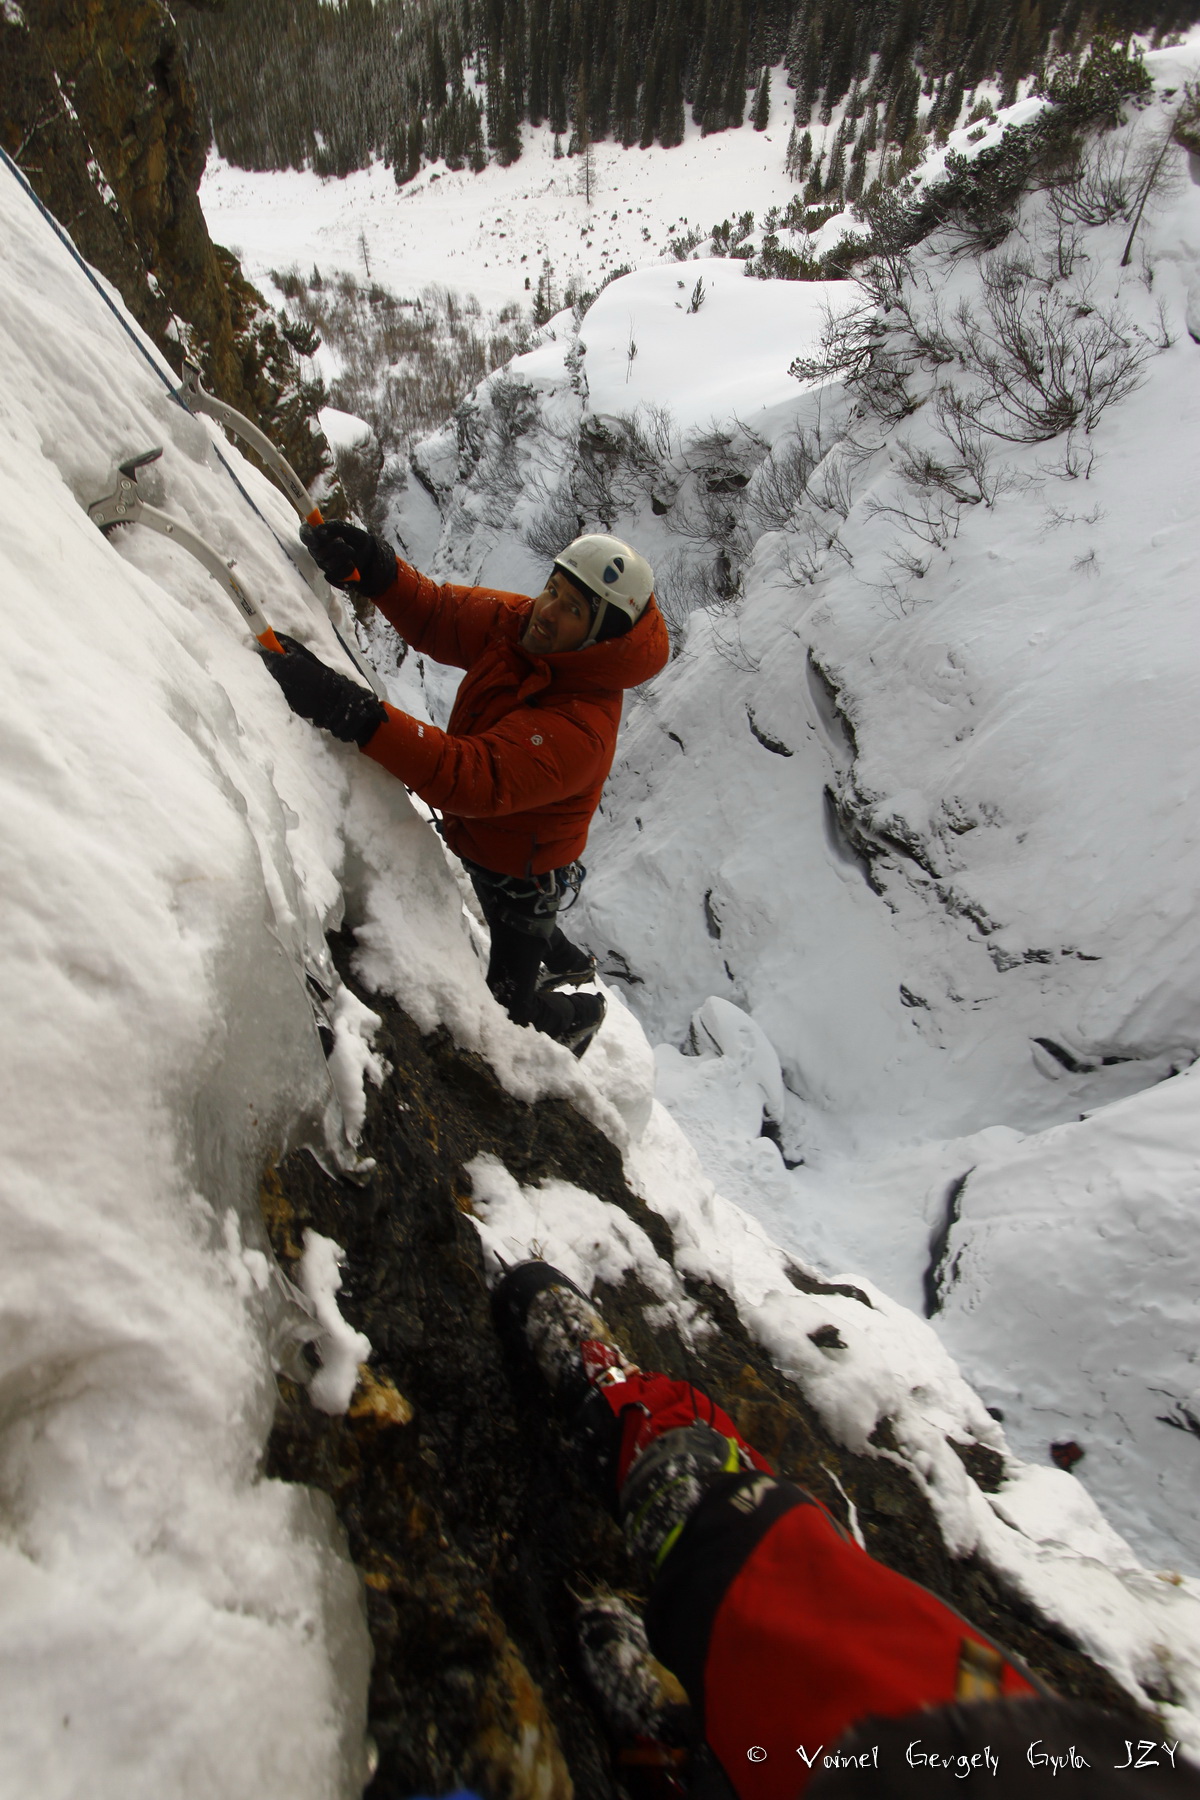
(904, 567)
(684, 584)
(876, 346)
(1044, 361)
(514, 409)
(1065, 247)
(889, 269)
(1074, 461)
(558, 521)
(1185, 128)
(641, 461)
(596, 462)
(832, 487)
(780, 482)
(510, 411)
(1157, 175)
(809, 546)
(679, 592)
(359, 467)
(1097, 187)
(725, 456)
(972, 475)
(660, 429)
(848, 342)
(405, 364)
(885, 389)
(930, 516)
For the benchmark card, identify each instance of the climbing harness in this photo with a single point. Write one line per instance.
(544, 891)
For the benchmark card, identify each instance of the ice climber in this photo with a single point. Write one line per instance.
(810, 1668)
(518, 772)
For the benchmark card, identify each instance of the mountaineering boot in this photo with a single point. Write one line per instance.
(579, 976)
(643, 1708)
(668, 1480)
(636, 1693)
(564, 964)
(587, 1012)
(540, 1310)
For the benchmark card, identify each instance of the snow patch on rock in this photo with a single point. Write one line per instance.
(340, 1348)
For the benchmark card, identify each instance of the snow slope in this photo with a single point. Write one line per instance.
(703, 363)
(1014, 741)
(920, 805)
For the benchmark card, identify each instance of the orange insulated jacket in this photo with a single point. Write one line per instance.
(519, 770)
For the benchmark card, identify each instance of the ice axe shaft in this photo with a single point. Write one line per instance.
(197, 399)
(123, 505)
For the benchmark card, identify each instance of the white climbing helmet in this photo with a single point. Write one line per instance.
(612, 572)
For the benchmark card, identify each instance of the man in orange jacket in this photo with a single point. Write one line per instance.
(518, 773)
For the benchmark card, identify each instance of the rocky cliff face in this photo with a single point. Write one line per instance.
(96, 107)
(459, 1492)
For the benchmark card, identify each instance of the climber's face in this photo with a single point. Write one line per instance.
(560, 620)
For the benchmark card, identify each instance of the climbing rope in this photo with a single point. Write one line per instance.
(143, 347)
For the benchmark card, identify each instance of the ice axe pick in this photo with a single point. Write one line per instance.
(121, 504)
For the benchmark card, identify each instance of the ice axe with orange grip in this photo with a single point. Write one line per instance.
(197, 399)
(192, 395)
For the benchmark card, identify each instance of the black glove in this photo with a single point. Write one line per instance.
(340, 706)
(350, 557)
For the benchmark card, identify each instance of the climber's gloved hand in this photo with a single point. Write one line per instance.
(338, 705)
(350, 557)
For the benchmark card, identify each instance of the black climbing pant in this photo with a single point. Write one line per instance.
(521, 913)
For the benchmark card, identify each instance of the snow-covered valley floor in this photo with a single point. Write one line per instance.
(1004, 742)
(488, 234)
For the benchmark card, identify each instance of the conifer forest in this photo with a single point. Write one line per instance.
(289, 83)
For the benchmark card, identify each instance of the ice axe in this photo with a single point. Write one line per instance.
(194, 396)
(197, 399)
(121, 504)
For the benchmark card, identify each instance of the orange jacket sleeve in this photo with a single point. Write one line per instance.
(531, 758)
(452, 624)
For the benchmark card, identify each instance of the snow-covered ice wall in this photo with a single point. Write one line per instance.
(176, 846)
(172, 1624)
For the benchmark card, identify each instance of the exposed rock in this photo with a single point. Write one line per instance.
(474, 1533)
